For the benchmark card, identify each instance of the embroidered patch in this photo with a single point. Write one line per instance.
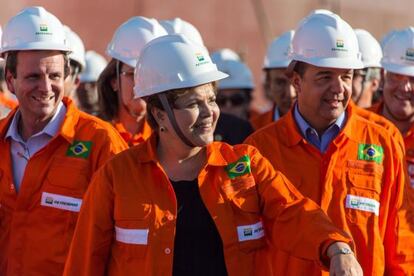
(61, 202)
(131, 236)
(250, 232)
(238, 168)
(362, 203)
(80, 149)
(370, 152)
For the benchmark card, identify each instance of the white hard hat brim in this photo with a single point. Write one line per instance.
(38, 45)
(277, 65)
(128, 61)
(195, 81)
(407, 70)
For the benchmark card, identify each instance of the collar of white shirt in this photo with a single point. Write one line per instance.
(51, 129)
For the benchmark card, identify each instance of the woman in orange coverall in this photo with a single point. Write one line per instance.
(181, 204)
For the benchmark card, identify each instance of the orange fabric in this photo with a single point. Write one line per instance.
(330, 178)
(133, 192)
(34, 239)
(9, 103)
(264, 119)
(134, 139)
(405, 246)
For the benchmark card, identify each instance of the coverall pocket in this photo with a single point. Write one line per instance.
(132, 227)
(68, 175)
(243, 194)
(363, 192)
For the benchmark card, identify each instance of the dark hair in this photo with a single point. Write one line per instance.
(172, 96)
(108, 98)
(11, 63)
(300, 68)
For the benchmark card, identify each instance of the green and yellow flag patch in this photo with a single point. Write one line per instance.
(79, 149)
(238, 168)
(370, 152)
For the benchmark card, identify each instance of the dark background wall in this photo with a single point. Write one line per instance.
(246, 26)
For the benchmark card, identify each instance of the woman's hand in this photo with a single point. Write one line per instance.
(343, 261)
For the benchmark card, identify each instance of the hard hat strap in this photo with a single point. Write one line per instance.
(173, 121)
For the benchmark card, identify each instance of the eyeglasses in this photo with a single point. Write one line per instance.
(235, 100)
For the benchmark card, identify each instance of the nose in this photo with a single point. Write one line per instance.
(44, 84)
(206, 109)
(408, 85)
(338, 86)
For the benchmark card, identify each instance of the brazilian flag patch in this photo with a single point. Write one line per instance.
(238, 168)
(79, 149)
(370, 152)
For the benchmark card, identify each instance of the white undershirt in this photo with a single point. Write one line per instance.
(22, 151)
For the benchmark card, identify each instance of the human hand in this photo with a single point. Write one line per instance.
(343, 261)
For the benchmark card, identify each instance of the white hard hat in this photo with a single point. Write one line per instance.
(278, 52)
(324, 39)
(399, 53)
(386, 38)
(173, 62)
(76, 46)
(33, 28)
(131, 37)
(370, 49)
(95, 64)
(179, 26)
(224, 54)
(240, 76)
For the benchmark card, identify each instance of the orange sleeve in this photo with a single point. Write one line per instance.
(90, 248)
(396, 223)
(111, 144)
(296, 224)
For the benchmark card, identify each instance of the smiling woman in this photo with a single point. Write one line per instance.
(181, 204)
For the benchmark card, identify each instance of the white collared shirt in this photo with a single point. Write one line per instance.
(22, 151)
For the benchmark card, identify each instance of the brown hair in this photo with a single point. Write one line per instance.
(11, 63)
(108, 98)
(172, 96)
(300, 68)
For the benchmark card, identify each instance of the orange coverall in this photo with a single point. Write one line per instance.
(358, 182)
(134, 139)
(37, 224)
(127, 223)
(263, 119)
(405, 246)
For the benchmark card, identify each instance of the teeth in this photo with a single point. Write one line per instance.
(42, 99)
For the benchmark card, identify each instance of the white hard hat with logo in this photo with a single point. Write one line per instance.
(33, 28)
(399, 53)
(277, 55)
(224, 54)
(173, 62)
(370, 49)
(386, 38)
(95, 64)
(240, 76)
(131, 37)
(76, 45)
(324, 39)
(179, 26)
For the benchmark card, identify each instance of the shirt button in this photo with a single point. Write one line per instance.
(167, 251)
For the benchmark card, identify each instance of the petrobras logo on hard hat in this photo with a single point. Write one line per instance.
(409, 54)
(43, 30)
(201, 60)
(340, 46)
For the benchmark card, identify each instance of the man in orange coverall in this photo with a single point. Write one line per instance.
(48, 148)
(398, 107)
(352, 167)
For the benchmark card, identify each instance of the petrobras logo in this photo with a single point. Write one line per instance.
(57, 201)
(340, 46)
(250, 232)
(201, 60)
(43, 30)
(362, 203)
(409, 54)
